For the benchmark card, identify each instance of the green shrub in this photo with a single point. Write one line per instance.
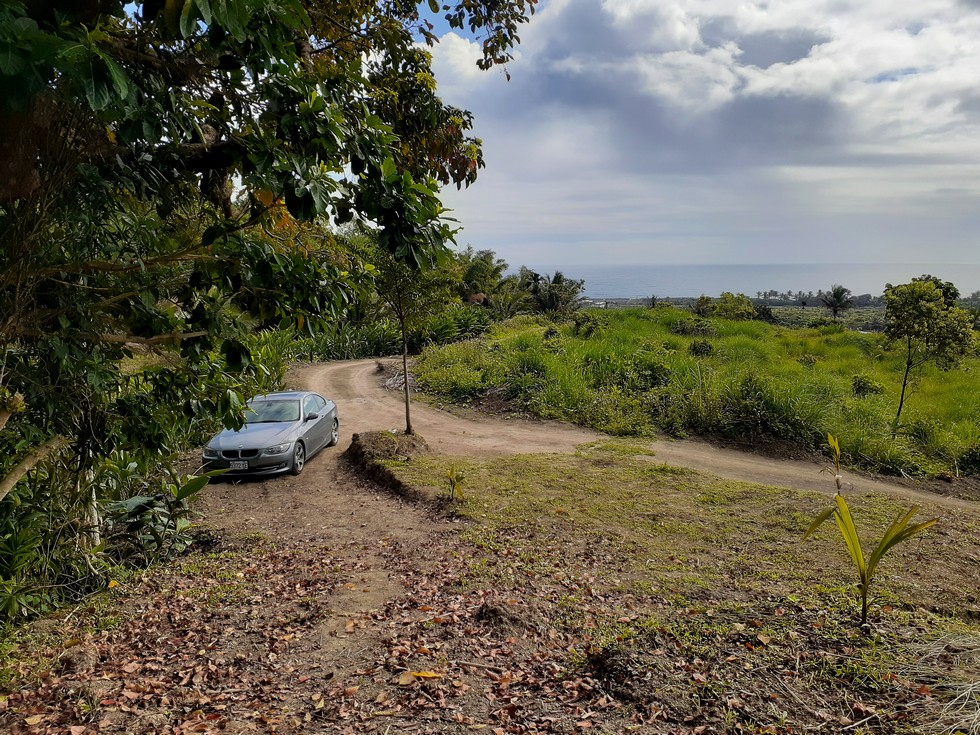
(689, 326)
(763, 312)
(863, 386)
(702, 307)
(618, 412)
(969, 461)
(651, 371)
(586, 323)
(347, 341)
(754, 408)
(733, 306)
(700, 348)
(828, 326)
(460, 371)
(668, 410)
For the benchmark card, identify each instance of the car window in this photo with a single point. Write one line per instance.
(309, 406)
(264, 412)
(319, 403)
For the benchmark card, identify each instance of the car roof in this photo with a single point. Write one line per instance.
(283, 395)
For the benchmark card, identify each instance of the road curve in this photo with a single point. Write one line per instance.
(365, 405)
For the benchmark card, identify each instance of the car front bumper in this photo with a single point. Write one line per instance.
(257, 466)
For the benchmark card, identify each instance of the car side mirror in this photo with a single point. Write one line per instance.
(312, 416)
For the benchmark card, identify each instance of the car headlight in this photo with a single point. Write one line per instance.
(210, 453)
(278, 449)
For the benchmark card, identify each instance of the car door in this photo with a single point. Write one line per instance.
(317, 429)
(326, 420)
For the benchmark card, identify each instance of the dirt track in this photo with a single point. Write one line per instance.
(365, 405)
(311, 631)
(329, 505)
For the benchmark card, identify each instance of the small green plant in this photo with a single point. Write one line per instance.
(156, 526)
(899, 531)
(456, 480)
(690, 326)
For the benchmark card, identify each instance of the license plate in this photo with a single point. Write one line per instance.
(239, 465)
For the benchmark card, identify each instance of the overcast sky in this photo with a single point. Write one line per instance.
(712, 131)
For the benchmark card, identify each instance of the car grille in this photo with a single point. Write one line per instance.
(240, 453)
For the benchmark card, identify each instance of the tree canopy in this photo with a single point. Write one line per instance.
(169, 174)
(837, 300)
(922, 316)
(156, 153)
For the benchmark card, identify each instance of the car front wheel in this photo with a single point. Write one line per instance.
(334, 433)
(299, 458)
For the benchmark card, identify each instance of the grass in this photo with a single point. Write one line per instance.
(645, 565)
(636, 375)
(615, 507)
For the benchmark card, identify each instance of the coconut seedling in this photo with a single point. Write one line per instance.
(897, 532)
(456, 480)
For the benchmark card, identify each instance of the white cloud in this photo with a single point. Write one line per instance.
(692, 82)
(702, 128)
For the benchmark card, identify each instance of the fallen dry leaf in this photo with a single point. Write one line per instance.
(426, 674)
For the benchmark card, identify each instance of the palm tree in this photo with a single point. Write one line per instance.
(482, 272)
(837, 299)
(554, 294)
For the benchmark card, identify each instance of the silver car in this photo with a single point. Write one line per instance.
(281, 432)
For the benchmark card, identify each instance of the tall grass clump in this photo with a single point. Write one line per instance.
(460, 371)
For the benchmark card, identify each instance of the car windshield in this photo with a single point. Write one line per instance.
(269, 412)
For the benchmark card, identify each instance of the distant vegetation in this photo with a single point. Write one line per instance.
(637, 371)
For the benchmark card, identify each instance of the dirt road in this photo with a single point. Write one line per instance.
(328, 504)
(331, 590)
(365, 405)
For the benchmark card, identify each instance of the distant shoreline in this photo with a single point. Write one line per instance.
(638, 282)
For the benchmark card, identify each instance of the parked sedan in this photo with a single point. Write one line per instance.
(281, 432)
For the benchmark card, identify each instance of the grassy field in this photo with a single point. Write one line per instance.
(637, 371)
(692, 600)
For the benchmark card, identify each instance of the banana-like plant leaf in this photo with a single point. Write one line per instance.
(191, 487)
(818, 521)
(898, 532)
(848, 530)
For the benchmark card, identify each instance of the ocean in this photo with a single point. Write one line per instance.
(643, 281)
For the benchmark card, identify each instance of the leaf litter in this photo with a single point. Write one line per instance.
(264, 638)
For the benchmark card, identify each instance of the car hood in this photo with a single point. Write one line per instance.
(256, 436)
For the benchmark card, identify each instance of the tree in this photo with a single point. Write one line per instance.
(482, 272)
(125, 126)
(411, 293)
(157, 165)
(511, 298)
(733, 306)
(923, 317)
(838, 300)
(555, 295)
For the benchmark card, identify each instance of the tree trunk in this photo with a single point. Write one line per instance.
(905, 383)
(94, 518)
(408, 402)
(49, 447)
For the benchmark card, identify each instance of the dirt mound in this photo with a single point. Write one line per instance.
(369, 450)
